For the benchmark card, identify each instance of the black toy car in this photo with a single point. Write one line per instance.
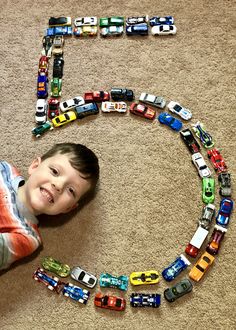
(225, 184)
(58, 65)
(59, 21)
(86, 110)
(178, 290)
(122, 94)
(47, 46)
(190, 141)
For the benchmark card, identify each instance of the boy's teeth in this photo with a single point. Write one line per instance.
(47, 194)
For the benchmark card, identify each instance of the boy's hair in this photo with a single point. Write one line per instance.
(82, 159)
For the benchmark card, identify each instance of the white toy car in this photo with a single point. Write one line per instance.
(156, 101)
(41, 111)
(137, 20)
(163, 29)
(82, 21)
(201, 166)
(83, 277)
(111, 31)
(58, 43)
(179, 110)
(114, 107)
(71, 103)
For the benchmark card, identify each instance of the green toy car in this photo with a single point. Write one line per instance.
(56, 267)
(110, 281)
(56, 84)
(39, 130)
(111, 21)
(208, 190)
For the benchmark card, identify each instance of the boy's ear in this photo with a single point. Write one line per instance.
(34, 165)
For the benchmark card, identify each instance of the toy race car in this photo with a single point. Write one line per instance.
(157, 20)
(208, 213)
(114, 107)
(58, 65)
(39, 130)
(175, 268)
(216, 238)
(58, 43)
(225, 184)
(56, 266)
(86, 110)
(59, 21)
(134, 20)
(52, 283)
(64, 119)
(111, 31)
(178, 290)
(98, 96)
(199, 162)
(56, 84)
(59, 31)
(86, 21)
(43, 65)
(208, 190)
(47, 46)
(109, 281)
(83, 277)
(71, 103)
(223, 216)
(172, 122)
(155, 101)
(145, 300)
(76, 293)
(109, 302)
(190, 141)
(111, 21)
(147, 277)
(41, 111)
(137, 30)
(163, 30)
(85, 31)
(53, 107)
(179, 110)
(142, 110)
(201, 266)
(196, 242)
(217, 160)
(42, 86)
(205, 138)
(122, 94)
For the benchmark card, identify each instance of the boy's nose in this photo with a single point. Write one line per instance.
(57, 186)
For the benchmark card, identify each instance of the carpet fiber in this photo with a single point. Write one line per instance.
(149, 198)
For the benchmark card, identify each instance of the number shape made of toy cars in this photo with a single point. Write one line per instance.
(86, 21)
(163, 30)
(142, 110)
(71, 103)
(179, 110)
(41, 111)
(85, 31)
(114, 107)
(223, 216)
(175, 268)
(217, 236)
(225, 184)
(208, 190)
(155, 101)
(52, 283)
(122, 94)
(64, 119)
(157, 20)
(178, 290)
(168, 120)
(109, 281)
(203, 135)
(112, 31)
(201, 266)
(145, 300)
(147, 277)
(208, 213)
(135, 30)
(76, 293)
(86, 110)
(217, 160)
(39, 130)
(189, 140)
(84, 277)
(200, 164)
(109, 302)
(55, 266)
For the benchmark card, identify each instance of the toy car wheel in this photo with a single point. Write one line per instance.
(56, 279)
(36, 278)
(70, 284)
(51, 128)
(50, 287)
(81, 301)
(38, 136)
(85, 291)
(66, 294)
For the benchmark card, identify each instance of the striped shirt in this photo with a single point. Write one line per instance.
(19, 235)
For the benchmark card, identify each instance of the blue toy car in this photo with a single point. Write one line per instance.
(76, 293)
(145, 300)
(140, 29)
(157, 20)
(59, 31)
(42, 86)
(223, 216)
(52, 283)
(167, 119)
(86, 110)
(175, 268)
(203, 135)
(109, 281)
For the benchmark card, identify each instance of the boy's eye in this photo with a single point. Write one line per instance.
(54, 171)
(71, 190)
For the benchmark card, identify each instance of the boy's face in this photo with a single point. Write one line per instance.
(53, 187)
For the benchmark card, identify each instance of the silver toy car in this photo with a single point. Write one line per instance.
(83, 277)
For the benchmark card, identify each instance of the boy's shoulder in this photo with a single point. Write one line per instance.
(8, 169)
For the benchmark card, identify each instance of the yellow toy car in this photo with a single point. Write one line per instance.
(201, 266)
(85, 31)
(147, 277)
(63, 119)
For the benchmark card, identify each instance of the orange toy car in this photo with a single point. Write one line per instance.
(201, 266)
(109, 302)
(142, 110)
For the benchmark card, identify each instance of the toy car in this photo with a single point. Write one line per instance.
(111, 31)
(98, 96)
(147, 277)
(208, 213)
(58, 65)
(53, 108)
(41, 111)
(223, 216)
(217, 160)
(157, 20)
(201, 266)
(43, 65)
(85, 31)
(83, 277)
(114, 107)
(111, 21)
(56, 267)
(143, 111)
(134, 30)
(47, 46)
(52, 283)
(63, 119)
(39, 130)
(225, 184)
(42, 86)
(76, 293)
(71, 103)
(109, 302)
(216, 238)
(59, 31)
(122, 94)
(178, 290)
(205, 138)
(134, 20)
(155, 101)
(59, 21)
(109, 281)
(163, 29)
(208, 190)
(86, 110)
(85, 21)
(179, 110)
(196, 242)
(190, 141)
(199, 162)
(175, 268)
(56, 84)
(167, 119)
(145, 299)
(58, 43)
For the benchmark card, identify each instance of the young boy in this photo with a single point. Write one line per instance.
(58, 181)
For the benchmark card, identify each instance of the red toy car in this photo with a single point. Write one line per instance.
(43, 65)
(217, 160)
(142, 110)
(215, 240)
(53, 108)
(100, 96)
(109, 302)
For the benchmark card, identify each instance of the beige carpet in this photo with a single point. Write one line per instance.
(149, 199)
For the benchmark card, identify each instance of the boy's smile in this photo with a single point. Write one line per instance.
(53, 187)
